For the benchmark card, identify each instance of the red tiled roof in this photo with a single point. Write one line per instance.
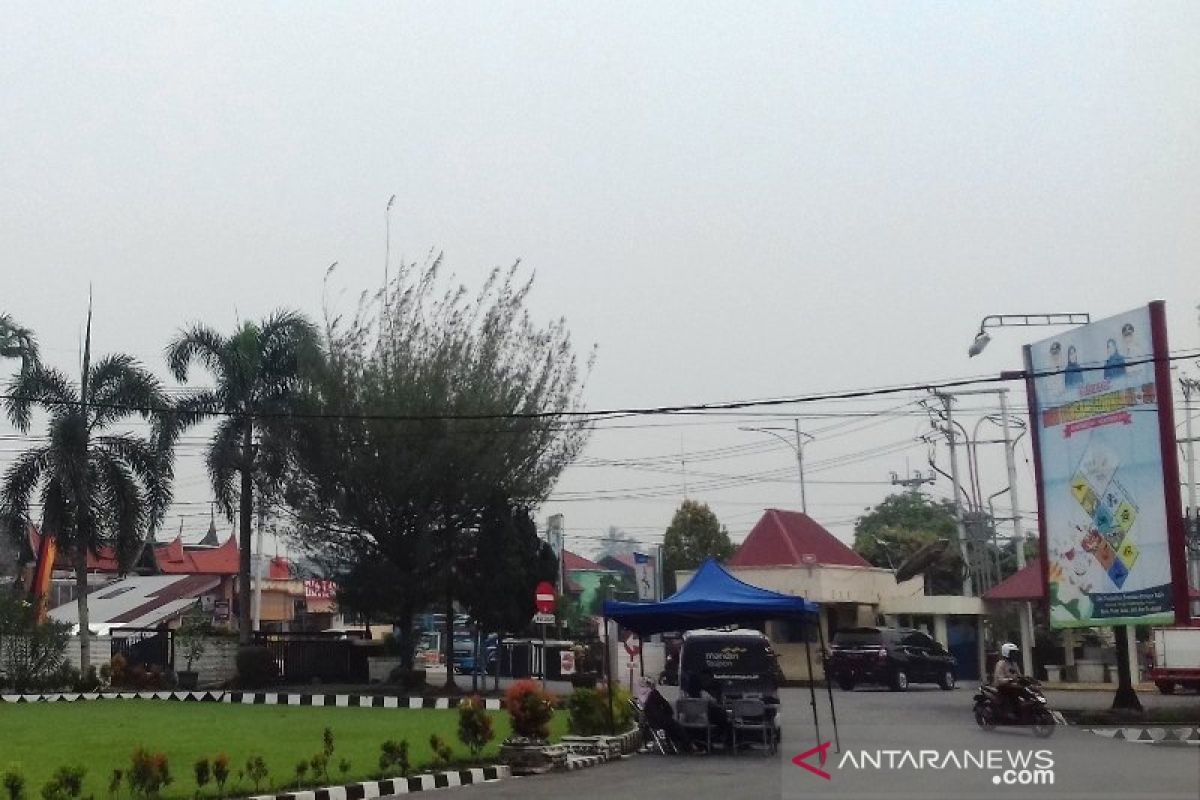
(792, 539)
(280, 569)
(572, 561)
(1024, 584)
(175, 559)
(103, 561)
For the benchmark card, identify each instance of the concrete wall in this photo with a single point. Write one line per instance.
(217, 665)
(101, 652)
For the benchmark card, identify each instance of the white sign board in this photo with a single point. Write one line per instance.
(1096, 408)
(543, 619)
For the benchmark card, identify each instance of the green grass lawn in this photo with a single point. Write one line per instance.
(101, 736)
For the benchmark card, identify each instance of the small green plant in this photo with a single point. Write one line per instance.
(474, 725)
(301, 771)
(343, 768)
(148, 773)
(67, 782)
(114, 782)
(320, 766)
(220, 771)
(14, 784)
(257, 771)
(443, 754)
(393, 757)
(327, 742)
(203, 773)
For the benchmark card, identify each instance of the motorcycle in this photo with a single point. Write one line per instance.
(1026, 707)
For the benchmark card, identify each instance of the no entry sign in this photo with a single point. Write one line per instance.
(543, 598)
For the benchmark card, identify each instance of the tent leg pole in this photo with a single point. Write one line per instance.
(608, 670)
(812, 691)
(829, 688)
(641, 660)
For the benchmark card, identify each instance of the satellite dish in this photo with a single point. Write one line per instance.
(919, 561)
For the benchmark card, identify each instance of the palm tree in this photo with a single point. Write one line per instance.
(259, 374)
(96, 487)
(17, 342)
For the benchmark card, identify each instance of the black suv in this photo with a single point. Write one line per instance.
(892, 657)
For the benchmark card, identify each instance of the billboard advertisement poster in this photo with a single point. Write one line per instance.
(1095, 404)
(643, 574)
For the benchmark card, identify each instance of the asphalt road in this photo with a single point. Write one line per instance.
(1084, 765)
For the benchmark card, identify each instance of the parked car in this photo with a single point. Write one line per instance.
(894, 657)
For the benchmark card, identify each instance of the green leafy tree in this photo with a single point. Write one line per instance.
(97, 487)
(258, 372)
(902, 524)
(694, 535)
(434, 403)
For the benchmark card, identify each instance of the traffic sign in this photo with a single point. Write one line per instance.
(543, 619)
(633, 645)
(543, 598)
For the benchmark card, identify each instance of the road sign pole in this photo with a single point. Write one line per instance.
(543, 658)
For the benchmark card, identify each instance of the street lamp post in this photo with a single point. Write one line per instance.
(1021, 320)
(798, 446)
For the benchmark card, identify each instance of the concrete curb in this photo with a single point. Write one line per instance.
(1164, 735)
(259, 698)
(392, 786)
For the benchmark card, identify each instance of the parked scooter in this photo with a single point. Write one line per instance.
(1025, 706)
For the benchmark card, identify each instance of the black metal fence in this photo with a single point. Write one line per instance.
(302, 658)
(148, 647)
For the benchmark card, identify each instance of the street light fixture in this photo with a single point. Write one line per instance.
(1022, 320)
(798, 446)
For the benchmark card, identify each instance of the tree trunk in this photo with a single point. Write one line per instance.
(404, 640)
(245, 512)
(81, 587)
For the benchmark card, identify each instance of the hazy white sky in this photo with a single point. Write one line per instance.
(730, 200)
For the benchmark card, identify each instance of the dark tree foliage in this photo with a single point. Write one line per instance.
(694, 534)
(431, 405)
(903, 523)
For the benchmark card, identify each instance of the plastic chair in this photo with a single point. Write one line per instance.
(751, 715)
(692, 714)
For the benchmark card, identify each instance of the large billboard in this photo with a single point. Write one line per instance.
(1100, 402)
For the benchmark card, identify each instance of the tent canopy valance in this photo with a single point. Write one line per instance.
(711, 598)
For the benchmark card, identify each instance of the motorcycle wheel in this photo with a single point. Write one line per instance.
(1043, 726)
(983, 717)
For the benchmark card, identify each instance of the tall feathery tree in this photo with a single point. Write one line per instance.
(259, 374)
(440, 408)
(97, 487)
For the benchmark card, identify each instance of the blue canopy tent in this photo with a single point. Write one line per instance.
(714, 598)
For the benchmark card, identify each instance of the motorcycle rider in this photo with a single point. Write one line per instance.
(1004, 676)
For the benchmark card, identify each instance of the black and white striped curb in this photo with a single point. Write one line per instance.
(258, 698)
(1155, 735)
(583, 762)
(394, 786)
(609, 746)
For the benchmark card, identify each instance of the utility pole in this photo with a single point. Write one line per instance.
(914, 481)
(947, 404)
(1025, 610)
(800, 466)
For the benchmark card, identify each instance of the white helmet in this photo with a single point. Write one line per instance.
(1007, 649)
